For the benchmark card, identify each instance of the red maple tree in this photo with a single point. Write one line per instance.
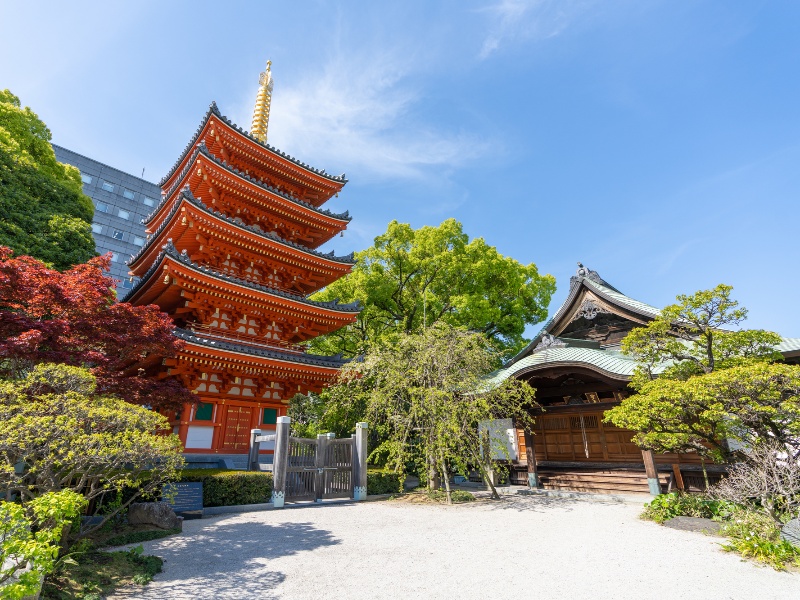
(73, 317)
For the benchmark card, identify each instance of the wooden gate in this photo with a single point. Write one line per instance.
(314, 469)
(319, 469)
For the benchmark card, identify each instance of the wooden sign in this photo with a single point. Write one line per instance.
(184, 496)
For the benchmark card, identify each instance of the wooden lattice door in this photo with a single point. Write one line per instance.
(237, 428)
(319, 469)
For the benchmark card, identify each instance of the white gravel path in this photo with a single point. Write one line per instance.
(520, 547)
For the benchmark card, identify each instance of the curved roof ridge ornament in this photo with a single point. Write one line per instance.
(258, 129)
(587, 273)
(549, 341)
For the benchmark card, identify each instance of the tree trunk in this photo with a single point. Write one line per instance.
(446, 477)
(434, 481)
(705, 473)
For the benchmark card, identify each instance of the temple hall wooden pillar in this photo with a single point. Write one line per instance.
(652, 473)
(530, 459)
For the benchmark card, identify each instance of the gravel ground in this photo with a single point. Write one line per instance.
(519, 547)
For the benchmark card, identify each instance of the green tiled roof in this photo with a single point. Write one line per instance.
(610, 363)
(621, 299)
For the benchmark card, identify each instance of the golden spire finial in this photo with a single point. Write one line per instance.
(263, 100)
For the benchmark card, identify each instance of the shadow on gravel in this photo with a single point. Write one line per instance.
(223, 560)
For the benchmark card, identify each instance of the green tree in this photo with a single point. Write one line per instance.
(691, 335)
(57, 433)
(719, 384)
(418, 391)
(748, 403)
(43, 210)
(413, 278)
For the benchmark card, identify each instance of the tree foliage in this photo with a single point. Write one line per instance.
(691, 335)
(419, 393)
(58, 433)
(43, 210)
(748, 403)
(720, 384)
(30, 540)
(47, 316)
(413, 278)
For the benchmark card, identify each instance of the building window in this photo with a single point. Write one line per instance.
(148, 201)
(127, 194)
(109, 187)
(86, 178)
(123, 214)
(204, 412)
(118, 235)
(114, 257)
(126, 284)
(102, 207)
(269, 417)
(97, 228)
(137, 241)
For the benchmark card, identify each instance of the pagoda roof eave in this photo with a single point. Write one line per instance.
(201, 149)
(187, 196)
(313, 360)
(213, 110)
(169, 251)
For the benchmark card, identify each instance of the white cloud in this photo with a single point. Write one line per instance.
(363, 112)
(514, 20)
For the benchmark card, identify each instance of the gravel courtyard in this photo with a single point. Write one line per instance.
(520, 547)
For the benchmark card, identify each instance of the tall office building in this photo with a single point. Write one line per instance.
(121, 201)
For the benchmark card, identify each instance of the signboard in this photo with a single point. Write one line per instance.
(184, 497)
(502, 438)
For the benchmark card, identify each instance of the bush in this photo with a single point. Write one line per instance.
(384, 482)
(754, 534)
(231, 488)
(30, 535)
(457, 496)
(777, 553)
(767, 480)
(667, 506)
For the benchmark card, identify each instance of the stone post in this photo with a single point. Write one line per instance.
(255, 446)
(360, 462)
(280, 461)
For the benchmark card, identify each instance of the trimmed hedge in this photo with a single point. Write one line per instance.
(383, 482)
(231, 488)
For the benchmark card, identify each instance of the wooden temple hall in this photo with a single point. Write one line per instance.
(579, 372)
(232, 256)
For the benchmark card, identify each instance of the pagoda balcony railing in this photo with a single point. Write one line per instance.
(238, 337)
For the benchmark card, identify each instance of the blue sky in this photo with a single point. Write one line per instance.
(656, 142)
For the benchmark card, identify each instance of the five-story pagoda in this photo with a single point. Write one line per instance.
(231, 257)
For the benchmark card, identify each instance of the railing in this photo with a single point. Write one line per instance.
(230, 335)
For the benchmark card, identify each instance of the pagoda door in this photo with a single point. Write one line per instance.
(237, 428)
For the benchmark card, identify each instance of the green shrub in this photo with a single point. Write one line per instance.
(667, 506)
(384, 482)
(231, 488)
(777, 553)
